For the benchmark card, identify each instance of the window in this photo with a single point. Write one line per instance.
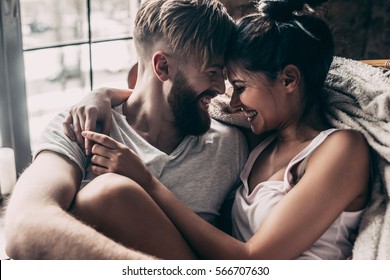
(71, 47)
(68, 48)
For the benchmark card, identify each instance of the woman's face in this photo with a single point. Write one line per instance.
(263, 100)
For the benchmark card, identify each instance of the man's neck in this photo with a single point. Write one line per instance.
(149, 114)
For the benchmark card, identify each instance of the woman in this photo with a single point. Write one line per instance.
(306, 185)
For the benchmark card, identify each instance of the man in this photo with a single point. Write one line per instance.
(236, 9)
(165, 121)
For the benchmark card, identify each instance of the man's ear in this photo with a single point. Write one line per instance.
(161, 66)
(291, 77)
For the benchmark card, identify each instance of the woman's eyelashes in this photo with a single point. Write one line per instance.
(238, 89)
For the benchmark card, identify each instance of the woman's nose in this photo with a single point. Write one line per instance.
(235, 102)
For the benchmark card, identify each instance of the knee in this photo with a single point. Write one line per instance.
(97, 197)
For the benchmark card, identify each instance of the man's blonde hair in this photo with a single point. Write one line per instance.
(196, 29)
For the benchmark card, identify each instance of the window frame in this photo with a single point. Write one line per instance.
(14, 125)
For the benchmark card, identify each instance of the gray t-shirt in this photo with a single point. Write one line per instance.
(202, 171)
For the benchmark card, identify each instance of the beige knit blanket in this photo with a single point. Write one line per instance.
(359, 98)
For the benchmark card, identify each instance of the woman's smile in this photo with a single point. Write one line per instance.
(251, 115)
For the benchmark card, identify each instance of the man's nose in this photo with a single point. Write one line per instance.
(220, 86)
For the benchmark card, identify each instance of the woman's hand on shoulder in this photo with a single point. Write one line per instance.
(93, 108)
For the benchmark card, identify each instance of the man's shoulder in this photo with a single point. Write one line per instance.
(227, 142)
(226, 133)
(217, 126)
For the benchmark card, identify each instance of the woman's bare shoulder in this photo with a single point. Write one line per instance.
(343, 153)
(346, 142)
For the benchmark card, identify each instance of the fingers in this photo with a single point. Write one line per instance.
(103, 160)
(98, 170)
(77, 128)
(101, 139)
(103, 151)
(100, 161)
(73, 125)
(84, 116)
(68, 126)
(106, 128)
(90, 125)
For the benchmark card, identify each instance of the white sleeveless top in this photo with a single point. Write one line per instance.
(249, 211)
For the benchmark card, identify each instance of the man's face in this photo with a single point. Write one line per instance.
(185, 102)
(189, 103)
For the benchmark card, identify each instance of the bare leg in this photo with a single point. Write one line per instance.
(119, 208)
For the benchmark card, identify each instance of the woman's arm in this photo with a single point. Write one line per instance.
(110, 156)
(336, 179)
(93, 108)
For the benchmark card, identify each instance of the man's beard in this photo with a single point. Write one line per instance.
(190, 118)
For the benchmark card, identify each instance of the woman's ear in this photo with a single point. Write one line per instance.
(161, 66)
(291, 77)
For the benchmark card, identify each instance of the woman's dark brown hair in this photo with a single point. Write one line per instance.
(286, 32)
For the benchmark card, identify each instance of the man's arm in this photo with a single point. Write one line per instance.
(37, 224)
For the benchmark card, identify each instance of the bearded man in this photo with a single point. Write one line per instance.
(61, 209)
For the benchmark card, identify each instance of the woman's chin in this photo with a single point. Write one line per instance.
(257, 130)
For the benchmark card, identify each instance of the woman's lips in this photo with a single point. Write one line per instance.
(251, 115)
